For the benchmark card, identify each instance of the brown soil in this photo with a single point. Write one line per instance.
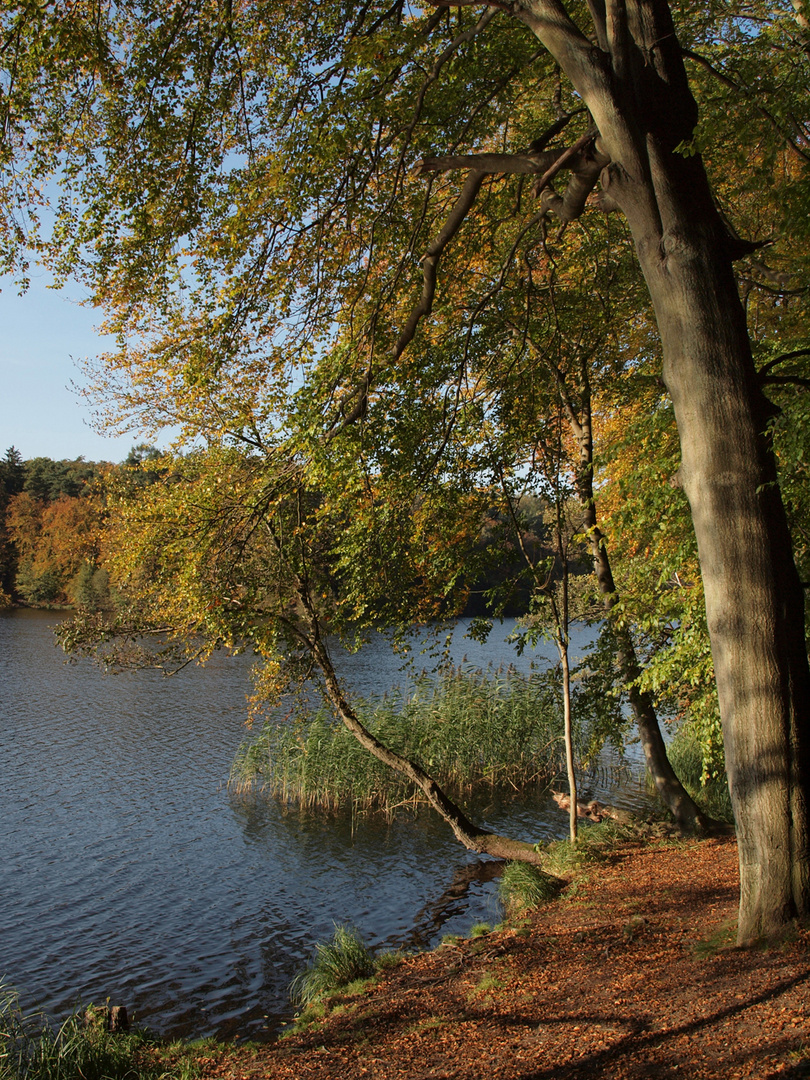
(632, 974)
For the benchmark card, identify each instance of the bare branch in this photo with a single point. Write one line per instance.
(599, 17)
(781, 360)
(585, 168)
(531, 164)
(775, 277)
(572, 50)
(618, 37)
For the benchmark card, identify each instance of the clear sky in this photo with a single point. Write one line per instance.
(43, 333)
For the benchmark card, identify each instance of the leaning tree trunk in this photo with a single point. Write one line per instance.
(688, 815)
(470, 835)
(634, 83)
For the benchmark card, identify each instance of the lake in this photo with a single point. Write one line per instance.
(130, 873)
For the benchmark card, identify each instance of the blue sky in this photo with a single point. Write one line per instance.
(44, 333)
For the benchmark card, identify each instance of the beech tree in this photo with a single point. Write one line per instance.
(237, 191)
(232, 549)
(635, 87)
(550, 361)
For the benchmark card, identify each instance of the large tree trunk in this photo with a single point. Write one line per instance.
(754, 600)
(635, 86)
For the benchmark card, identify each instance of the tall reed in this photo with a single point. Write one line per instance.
(709, 792)
(466, 728)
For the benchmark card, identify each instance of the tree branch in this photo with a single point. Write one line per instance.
(733, 85)
(472, 3)
(785, 380)
(781, 360)
(430, 264)
(430, 261)
(545, 163)
(569, 206)
(585, 169)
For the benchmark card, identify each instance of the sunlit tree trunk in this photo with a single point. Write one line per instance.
(674, 795)
(562, 646)
(754, 599)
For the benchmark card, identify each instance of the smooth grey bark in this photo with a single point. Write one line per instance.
(636, 90)
(754, 599)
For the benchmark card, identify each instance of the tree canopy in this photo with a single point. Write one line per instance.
(359, 248)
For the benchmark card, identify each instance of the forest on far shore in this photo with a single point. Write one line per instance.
(54, 529)
(52, 516)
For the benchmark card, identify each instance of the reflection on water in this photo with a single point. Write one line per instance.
(129, 872)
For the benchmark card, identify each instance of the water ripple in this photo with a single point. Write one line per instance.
(129, 873)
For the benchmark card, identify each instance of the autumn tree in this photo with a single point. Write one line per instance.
(238, 193)
(11, 482)
(232, 549)
(52, 523)
(545, 358)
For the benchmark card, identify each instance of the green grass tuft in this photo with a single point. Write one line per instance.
(594, 844)
(480, 929)
(523, 887)
(710, 793)
(338, 963)
(32, 1049)
(722, 937)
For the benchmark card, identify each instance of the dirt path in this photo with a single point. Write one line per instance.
(633, 975)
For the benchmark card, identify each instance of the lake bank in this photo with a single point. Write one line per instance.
(131, 873)
(631, 975)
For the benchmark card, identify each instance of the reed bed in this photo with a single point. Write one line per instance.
(710, 793)
(466, 728)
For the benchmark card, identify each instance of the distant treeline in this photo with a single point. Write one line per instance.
(53, 517)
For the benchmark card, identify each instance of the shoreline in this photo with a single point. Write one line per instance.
(632, 974)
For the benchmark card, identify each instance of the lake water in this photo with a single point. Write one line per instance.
(128, 871)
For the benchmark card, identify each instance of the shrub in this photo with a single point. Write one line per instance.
(523, 886)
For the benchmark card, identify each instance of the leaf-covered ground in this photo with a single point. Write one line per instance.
(633, 974)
